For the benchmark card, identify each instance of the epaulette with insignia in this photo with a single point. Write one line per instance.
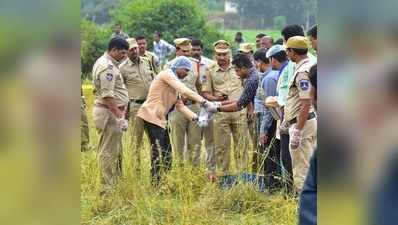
(212, 66)
(144, 58)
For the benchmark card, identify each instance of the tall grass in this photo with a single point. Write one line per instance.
(185, 198)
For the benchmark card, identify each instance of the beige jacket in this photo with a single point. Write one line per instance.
(163, 94)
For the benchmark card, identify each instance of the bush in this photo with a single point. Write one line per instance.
(94, 41)
(279, 22)
(174, 18)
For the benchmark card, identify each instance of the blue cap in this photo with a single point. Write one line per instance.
(181, 62)
(274, 49)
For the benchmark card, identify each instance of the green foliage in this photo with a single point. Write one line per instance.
(215, 5)
(279, 22)
(174, 18)
(93, 44)
(97, 10)
(296, 12)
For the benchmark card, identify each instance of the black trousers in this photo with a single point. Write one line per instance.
(286, 162)
(273, 170)
(161, 156)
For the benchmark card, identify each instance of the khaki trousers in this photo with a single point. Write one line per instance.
(208, 136)
(184, 132)
(137, 129)
(109, 147)
(226, 125)
(301, 156)
(84, 129)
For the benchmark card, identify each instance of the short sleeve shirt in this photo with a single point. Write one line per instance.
(220, 82)
(138, 77)
(108, 81)
(299, 88)
(153, 60)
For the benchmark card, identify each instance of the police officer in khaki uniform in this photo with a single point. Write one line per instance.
(84, 129)
(247, 49)
(137, 75)
(111, 99)
(299, 111)
(143, 52)
(222, 83)
(207, 132)
(183, 131)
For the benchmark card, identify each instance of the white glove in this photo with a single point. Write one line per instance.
(295, 137)
(211, 106)
(122, 124)
(202, 121)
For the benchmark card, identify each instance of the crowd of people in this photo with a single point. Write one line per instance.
(261, 95)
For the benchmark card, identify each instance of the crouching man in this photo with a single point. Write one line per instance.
(165, 92)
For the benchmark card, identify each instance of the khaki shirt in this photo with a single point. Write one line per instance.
(108, 81)
(220, 82)
(203, 65)
(163, 94)
(153, 61)
(299, 88)
(137, 77)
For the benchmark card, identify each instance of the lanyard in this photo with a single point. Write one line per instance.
(302, 63)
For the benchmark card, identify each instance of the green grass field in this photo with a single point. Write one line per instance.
(186, 198)
(250, 35)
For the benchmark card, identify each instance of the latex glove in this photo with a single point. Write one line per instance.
(122, 124)
(296, 136)
(202, 120)
(211, 106)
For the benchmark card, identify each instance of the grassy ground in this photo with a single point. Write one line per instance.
(186, 198)
(250, 35)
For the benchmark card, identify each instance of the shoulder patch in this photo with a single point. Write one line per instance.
(145, 59)
(109, 76)
(304, 85)
(203, 78)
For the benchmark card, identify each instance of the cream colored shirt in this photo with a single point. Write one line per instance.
(219, 82)
(163, 94)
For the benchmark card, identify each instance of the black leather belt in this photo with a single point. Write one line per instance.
(138, 101)
(310, 116)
